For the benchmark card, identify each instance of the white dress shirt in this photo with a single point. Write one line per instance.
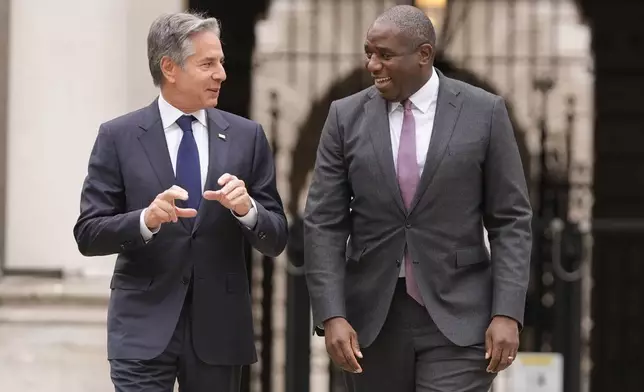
(424, 110)
(173, 136)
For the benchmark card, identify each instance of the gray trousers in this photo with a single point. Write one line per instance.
(411, 355)
(178, 362)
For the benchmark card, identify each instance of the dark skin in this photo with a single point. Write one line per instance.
(399, 70)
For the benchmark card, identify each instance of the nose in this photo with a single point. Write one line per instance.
(373, 64)
(219, 74)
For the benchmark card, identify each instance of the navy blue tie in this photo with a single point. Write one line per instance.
(188, 168)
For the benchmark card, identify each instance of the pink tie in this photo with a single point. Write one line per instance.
(408, 178)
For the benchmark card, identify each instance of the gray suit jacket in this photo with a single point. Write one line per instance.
(128, 167)
(472, 177)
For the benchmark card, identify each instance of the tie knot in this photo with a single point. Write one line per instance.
(185, 123)
(407, 104)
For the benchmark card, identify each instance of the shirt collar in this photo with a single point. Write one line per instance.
(422, 99)
(170, 114)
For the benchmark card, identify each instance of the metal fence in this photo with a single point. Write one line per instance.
(516, 48)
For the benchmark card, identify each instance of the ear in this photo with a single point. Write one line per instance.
(169, 69)
(426, 54)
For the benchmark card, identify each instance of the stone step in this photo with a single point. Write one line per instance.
(50, 315)
(19, 290)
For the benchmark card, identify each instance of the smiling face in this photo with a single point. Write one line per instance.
(196, 85)
(399, 69)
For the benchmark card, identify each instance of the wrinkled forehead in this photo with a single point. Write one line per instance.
(385, 35)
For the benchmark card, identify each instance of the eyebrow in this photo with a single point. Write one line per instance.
(209, 59)
(379, 48)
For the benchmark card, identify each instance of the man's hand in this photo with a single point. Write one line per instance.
(232, 195)
(163, 210)
(501, 343)
(342, 344)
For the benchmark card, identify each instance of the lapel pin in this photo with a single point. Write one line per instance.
(222, 136)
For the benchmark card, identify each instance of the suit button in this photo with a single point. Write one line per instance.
(407, 225)
(185, 280)
(398, 263)
(194, 235)
(262, 235)
(123, 246)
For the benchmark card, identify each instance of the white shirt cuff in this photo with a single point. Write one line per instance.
(146, 233)
(250, 219)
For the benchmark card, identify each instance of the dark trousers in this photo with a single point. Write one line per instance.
(178, 362)
(411, 355)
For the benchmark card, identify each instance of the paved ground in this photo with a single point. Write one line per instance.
(50, 357)
(52, 336)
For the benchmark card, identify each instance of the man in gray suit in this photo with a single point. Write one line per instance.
(180, 306)
(408, 173)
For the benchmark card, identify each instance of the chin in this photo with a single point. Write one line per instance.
(387, 95)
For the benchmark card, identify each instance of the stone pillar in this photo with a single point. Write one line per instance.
(4, 73)
(72, 65)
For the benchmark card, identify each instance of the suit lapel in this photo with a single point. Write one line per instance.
(377, 125)
(218, 142)
(155, 146)
(447, 110)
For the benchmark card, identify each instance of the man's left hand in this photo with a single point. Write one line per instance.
(233, 194)
(501, 343)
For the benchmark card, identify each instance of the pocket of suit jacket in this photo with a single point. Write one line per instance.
(127, 282)
(471, 256)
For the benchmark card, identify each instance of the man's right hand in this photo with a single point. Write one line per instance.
(342, 344)
(163, 210)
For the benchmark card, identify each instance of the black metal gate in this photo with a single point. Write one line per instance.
(525, 57)
(320, 59)
(528, 68)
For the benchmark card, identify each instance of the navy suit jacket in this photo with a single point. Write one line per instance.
(128, 167)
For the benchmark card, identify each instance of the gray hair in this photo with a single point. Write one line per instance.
(413, 24)
(170, 35)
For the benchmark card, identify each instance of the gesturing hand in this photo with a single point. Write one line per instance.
(163, 210)
(342, 344)
(501, 343)
(233, 195)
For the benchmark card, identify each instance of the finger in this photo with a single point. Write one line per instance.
(356, 347)
(160, 214)
(495, 358)
(488, 345)
(513, 353)
(174, 193)
(231, 186)
(338, 358)
(212, 195)
(352, 362)
(168, 208)
(178, 188)
(505, 359)
(225, 178)
(185, 212)
(237, 193)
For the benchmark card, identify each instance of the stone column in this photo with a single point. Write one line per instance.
(72, 65)
(4, 73)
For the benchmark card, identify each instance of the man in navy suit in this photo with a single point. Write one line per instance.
(176, 189)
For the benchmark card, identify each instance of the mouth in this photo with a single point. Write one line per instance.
(381, 82)
(213, 90)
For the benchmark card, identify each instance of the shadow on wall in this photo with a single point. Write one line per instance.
(303, 158)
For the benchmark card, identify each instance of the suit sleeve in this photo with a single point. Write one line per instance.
(327, 225)
(103, 226)
(507, 217)
(270, 233)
